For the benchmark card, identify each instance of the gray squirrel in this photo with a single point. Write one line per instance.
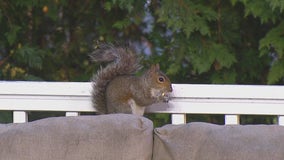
(115, 87)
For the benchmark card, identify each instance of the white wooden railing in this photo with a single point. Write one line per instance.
(74, 97)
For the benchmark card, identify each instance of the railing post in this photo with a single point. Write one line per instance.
(67, 114)
(232, 119)
(20, 117)
(178, 118)
(281, 120)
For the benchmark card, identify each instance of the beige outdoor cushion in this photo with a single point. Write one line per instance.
(104, 137)
(203, 141)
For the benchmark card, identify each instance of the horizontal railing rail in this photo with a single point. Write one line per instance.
(75, 97)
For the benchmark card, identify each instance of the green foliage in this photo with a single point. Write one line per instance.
(125, 4)
(249, 119)
(30, 57)
(12, 34)
(122, 24)
(159, 119)
(215, 53)
(5, 117)
(199, 41)
(276, 4)
(50, 40)
(186, 16)
(225, 77)
(276, 72)
(272, 43)
(265, 10)
(274, 38)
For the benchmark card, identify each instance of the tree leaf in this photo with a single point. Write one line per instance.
(12, 34)
(276, 72)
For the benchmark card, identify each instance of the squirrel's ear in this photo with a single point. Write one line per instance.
(155, 67)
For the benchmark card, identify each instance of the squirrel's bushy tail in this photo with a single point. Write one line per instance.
(123, 62)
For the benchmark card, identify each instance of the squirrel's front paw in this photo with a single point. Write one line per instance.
(166, 97)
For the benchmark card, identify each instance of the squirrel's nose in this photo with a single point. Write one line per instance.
(171, 88)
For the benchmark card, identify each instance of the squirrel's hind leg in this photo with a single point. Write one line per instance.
(136, 109)
(118, 108)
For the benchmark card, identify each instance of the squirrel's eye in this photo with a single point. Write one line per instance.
(161, 79)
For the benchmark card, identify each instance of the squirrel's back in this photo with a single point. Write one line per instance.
(123, 62)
